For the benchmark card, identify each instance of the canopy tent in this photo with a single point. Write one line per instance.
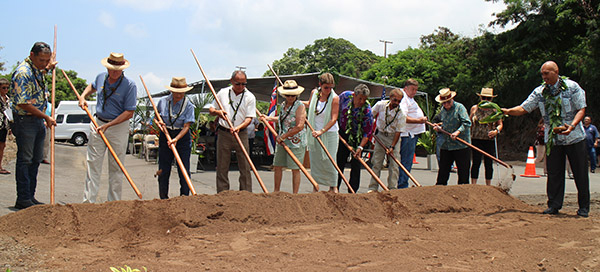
(263, 86)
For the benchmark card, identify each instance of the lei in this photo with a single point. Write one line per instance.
(316, 104)
(553, 106)
(354, 139)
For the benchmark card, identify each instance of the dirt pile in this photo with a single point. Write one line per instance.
(245, 231)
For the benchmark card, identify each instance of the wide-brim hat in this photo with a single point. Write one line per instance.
(445, 95)
(487, 92)
(178, 85)
(115, 61)
(290, 87)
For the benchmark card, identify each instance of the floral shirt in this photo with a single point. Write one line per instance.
(452, 120)
(365, 125)
(287, 121)
(573, 99)
(28, 87)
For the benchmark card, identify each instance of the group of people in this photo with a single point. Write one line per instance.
(345, 124)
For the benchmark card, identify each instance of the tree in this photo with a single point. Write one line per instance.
(325, 55)
(63, 91)
(1, 63)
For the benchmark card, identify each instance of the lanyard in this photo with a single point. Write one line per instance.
(386, 115)
(183, 104)
(112, 90)
(235, 109)
(282, 119)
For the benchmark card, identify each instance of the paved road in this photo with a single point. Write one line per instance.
(70, 174)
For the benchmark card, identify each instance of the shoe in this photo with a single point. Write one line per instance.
(23, 204)
(36, 202)
(550, 211)
(45, 162)
(582, 213)
(371, 191)
(593, 171)
(571, 177)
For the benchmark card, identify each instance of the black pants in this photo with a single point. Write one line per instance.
(462, 157)
(555, 188)
(489, 147)
(342, 158)
(165, 161)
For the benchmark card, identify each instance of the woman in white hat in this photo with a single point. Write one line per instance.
(291, 118)
(483, 136)
(177, 113)
(455, 119)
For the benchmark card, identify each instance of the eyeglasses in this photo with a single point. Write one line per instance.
(486, 98)
(240, 83)
(289, 95)
(5, 88)
(447, 102)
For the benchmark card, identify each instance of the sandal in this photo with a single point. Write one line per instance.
(4, 172)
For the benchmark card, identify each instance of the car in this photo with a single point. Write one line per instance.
(73, 123)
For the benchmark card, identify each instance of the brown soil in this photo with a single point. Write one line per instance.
(454, 228)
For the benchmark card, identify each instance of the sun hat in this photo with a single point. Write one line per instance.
(115, 61)
(445, 95)
(290, 87)
(178, 85)
(487, 92)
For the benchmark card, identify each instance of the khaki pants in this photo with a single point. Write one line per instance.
(377, 159)
(225, 144)
(117, 137)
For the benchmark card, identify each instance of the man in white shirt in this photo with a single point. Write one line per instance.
(390, 122)
(415, 120)
(240, 107)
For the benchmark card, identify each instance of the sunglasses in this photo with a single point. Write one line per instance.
(5, 88)
(240, 83)
(486, 98)
(289, 95)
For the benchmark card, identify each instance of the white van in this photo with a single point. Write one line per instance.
(73, 123)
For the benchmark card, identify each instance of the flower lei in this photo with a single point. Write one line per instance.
(553, 106)
(354, 139)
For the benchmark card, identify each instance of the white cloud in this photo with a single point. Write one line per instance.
(154, 83)
(107, 19)
(136, 30)
(146, 5)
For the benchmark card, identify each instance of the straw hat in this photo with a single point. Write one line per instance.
(445, 95)
(487, 92)
(290, 87)
(178, 85)
(115, 61)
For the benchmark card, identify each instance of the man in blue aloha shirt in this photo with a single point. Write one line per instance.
(562, 104)
(356, 125)
(28, 96)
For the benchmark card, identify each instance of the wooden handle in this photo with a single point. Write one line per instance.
(364, 164)
(397, 162)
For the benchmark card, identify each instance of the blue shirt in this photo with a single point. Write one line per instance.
(452, 120)
(573, 99)
(28, 87)
(591, 134)
(123, 99)
(175, 118)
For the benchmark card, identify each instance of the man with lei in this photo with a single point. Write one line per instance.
(355, 123)
(562, 105)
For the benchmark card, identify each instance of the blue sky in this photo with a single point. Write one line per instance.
(156, 35)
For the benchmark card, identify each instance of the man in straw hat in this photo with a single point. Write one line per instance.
(28, 96)
(290, 118)
(562, 104)
(455, 119)
(116, 96)
(177, 113)
(483, 136)
(240, 107)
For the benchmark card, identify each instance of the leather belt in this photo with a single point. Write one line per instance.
(102, 119)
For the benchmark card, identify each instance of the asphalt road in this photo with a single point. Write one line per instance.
(70, 175)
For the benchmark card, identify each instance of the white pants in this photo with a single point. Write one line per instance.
(117, 136)
(378, 158)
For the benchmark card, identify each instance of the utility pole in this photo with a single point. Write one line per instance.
(385, 47)
(241, 68)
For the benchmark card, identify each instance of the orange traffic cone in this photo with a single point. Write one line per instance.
(530, 167)
(415, 159)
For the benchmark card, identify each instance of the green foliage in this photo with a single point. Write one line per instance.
(427, 141)
(126, 268)
(63, 91)
(325, 55)
(1, 63)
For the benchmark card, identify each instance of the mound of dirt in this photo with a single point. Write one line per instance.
(418, 228)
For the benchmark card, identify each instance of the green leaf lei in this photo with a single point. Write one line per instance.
(354, 139)
(553, 106)
(492, 118)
